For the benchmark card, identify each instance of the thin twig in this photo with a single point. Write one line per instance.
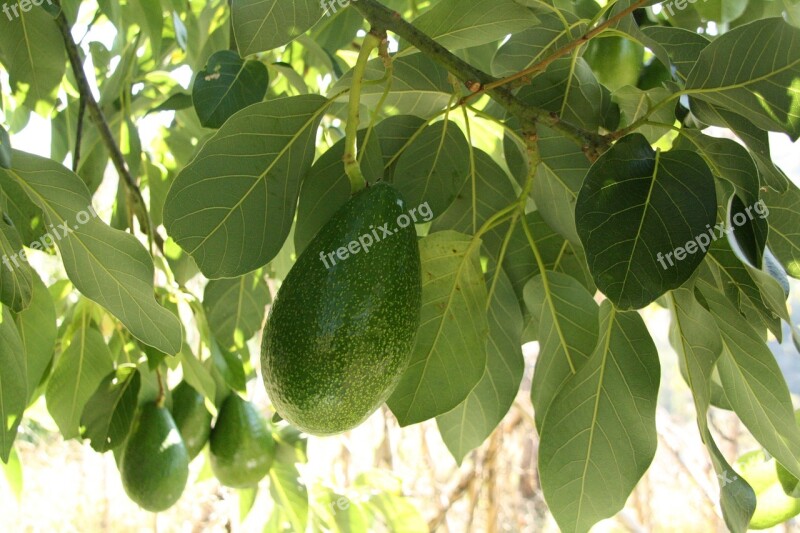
(453, 495)
(564, 50)
(232, 37)
(99, 120)
(382, 17)
(76, 154)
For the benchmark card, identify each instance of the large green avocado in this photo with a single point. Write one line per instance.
(241, 445)
(154, 464)
(341, 328)
(191, 417)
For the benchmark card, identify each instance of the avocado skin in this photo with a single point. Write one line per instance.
(241, 445)
(338, 340)
(154, 465)
(191, 417)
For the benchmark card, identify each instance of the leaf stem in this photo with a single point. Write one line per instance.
(161, 394)
(351, 165)
(383, 53)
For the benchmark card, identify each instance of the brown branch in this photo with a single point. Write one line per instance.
(564, 50)
(474, 79)
(100, 122)
(76, 154)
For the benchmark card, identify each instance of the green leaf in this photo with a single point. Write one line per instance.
(754, 383)
(753, 70)
(558, 179)
(108, 266)
(750, 229)
(492, 192)
(108, 414)
(721, 10)
(27, 217)
(235, 308)
(697, 340)
(247, 498)
(745, 287)
(683, 46)
(13, 472)
(756, 140)
(568, 87)
(397, 512)
(449, 354)
(197, 375)
(326, 187)
(179, 100)
(727, 160)
(261, 25)
(635, 104)
(37, 330)
(599, 434)
(784, 226)
(229, 365)
(227, 85)
(15, 273)
(232, 207)
(5, 148)
(149, 17)
(473, 420)
(13, 382)
(289, 493)
(32, 51)
(434, 167)
(568, 331)
(628, 26)
(457, 24)
(419, 86)
(532, 45)
(395, 133)
(638, 208)
(338, 512)
(77, 373)
(557, 253)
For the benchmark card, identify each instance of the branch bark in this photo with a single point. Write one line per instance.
(382, 17)
(98, 118)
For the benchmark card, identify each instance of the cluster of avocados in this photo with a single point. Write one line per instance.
(339, 334)
(154, 463)
(337, 340)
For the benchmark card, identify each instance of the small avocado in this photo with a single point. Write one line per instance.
(191, 417)
(341, 328)
(154, 464)
(616, 61)
(241, 445)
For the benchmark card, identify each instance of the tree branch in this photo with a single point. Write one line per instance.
(99, 120)
(476, 80)
(570, 46)
(76, 153)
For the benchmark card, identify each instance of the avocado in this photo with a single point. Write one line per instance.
(340, 331)
(616, 61)
(191, 417)
(241, 445)
(154, 464)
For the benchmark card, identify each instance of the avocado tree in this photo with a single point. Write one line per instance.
(538, 170)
